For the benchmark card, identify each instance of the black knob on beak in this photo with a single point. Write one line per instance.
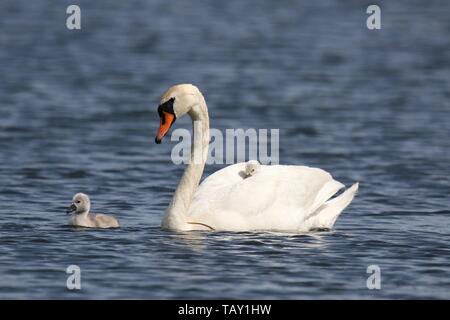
(71, 208)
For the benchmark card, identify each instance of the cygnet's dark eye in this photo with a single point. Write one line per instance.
(78, 201)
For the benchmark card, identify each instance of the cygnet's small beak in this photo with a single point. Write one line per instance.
(71, 209)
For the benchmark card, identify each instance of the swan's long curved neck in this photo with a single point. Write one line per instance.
(176, 214)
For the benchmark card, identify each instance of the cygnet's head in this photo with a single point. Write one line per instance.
(80, 204)
(251, 168)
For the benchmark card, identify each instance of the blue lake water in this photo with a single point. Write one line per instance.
(78, 114)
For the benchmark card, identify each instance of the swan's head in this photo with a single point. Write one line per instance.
(174, 103)
(251, 167)
(80, 204)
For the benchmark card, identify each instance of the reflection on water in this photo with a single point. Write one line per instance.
(78, 114)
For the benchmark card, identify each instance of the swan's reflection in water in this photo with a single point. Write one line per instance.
(269, 241)
(194, 240)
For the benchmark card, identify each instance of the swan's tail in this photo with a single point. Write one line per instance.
(325, 216)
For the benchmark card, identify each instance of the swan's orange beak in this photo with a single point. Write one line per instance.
(165, 122)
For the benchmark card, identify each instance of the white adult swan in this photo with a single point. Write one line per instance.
(276, 198)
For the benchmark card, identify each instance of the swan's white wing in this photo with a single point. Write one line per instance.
(215, 187)
(276, 197)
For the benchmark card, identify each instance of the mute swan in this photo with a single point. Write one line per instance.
(278, 198)
(81, 218)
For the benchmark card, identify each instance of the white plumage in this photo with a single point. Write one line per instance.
(272, 197)
(279, 197)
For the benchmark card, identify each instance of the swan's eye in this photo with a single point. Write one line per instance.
(78, 201)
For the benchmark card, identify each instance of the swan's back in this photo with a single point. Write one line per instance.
(278, 197)
(106, 221)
